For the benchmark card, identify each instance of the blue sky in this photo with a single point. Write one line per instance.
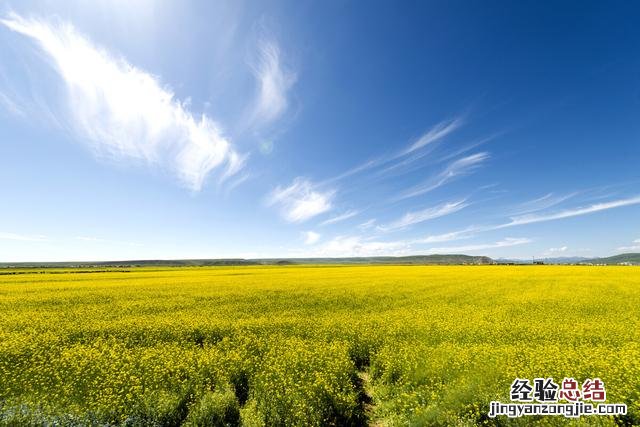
(286, 129)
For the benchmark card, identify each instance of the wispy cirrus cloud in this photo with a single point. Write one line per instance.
(22, 237)
(301, 200)
(457, 168)
(466, 233)
(381, 167)
(536, 218)
(274, 82)
(342, 217)
(545, 202)
(568, 213)
(367, 224)
(507, 242)
(436, 133)
(414, 151)
(126, 113)
(411, 218)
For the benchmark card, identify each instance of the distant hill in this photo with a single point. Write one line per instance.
(564, 260)
(414, 259)
(633, 258)
(408, 260)
(556, 260)
(133, 263)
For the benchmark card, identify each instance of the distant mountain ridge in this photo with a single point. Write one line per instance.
(564, 260)
(549, 260)
(380, 260)
(413, 259)
(632, 258)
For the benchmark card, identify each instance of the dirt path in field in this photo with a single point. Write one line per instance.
(366, 399)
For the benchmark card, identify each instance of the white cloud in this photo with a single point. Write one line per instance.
(448, 237)
(533, 218)
(528, 219)
(456, 168)
(367, 224)
(370, 164)
(342, 246)
(274, 83)
(560, 249)
(633, 248)
(411, 218)
(237, 181)
(300, 201)
(545, 202)
(629, 248)
(310, 237)
(434, 134)
(22, 237)
(127, 113)
(341, 217)
(509, 241)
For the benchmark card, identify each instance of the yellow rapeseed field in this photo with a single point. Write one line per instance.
(310, 345)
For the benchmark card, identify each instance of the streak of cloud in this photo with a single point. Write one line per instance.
(413, 152)
(538, 218)
(545, 202)
(597, 207)
(455, 169)
(367, 224)
(341, 217)
(434, 134)
(507, 242)
(411, 218)
(448, 237)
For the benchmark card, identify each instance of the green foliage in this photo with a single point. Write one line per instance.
(215, 409)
